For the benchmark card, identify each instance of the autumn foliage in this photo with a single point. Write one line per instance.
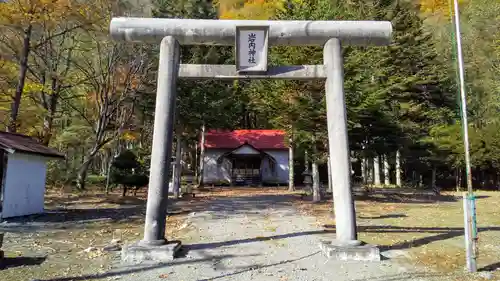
(249, 9)
(443, 8)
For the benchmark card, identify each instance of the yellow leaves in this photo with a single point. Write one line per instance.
(30, 114)
(8, 73)
(33, 87)
(49, 14)
(25, 12)
(130, 136)
(438, 7)
(249, 9)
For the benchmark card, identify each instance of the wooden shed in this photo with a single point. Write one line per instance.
(23, 168)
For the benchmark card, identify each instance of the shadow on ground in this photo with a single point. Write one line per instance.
(405, 198)
(390, 216)
(20, 261)
(392, 195)
(143, 268)
(260, 266)
(409, 277)
(82, 215)
(140, 268)
(221, 206)
(442, 233)
(228, 205)
(491, 267)
(204, 246)
(58, 200)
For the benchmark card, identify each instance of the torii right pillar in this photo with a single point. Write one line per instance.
(346, 246)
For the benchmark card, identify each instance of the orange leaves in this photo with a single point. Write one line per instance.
(126, 77)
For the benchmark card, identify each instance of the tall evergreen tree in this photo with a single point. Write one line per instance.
(416, 85)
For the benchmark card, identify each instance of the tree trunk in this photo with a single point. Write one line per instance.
(363, 170)
(48, 120)
(82, 173)
(87, 161)
(108, 172)
(177, 167)
(330, 187)
(23, 69)
(376, 170)
(433, 177)
(291, 186)
(104, 159)
(195, 160)
(369, 172)
(387, 180)
(306, 162)
(483, 179)
(458, 177)
(202, 157)
(112, 155)
(398, 168)
(67, 163)
(316, 185)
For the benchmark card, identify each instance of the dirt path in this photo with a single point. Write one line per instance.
(261, 237)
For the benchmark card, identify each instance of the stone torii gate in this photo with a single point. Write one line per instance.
(251, 39)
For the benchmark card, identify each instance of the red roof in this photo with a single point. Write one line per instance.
(260, 139)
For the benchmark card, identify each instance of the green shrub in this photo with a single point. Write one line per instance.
(96, 180)
(127, 171)
(57, 172)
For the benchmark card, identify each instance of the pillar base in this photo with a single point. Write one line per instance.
(140, 252)
(350, 251)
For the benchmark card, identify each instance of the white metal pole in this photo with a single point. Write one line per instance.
(470, 241)
(463, 99)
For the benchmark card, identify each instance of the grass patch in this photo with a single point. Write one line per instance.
(429, 228)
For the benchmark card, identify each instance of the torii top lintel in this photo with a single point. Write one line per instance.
(223, 32)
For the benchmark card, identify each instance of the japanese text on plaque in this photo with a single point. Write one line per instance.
(251, 48)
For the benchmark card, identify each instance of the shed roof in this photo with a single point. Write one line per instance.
(26, 144)
(260, 139)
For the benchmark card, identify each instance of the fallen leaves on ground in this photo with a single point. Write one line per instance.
(430, 230)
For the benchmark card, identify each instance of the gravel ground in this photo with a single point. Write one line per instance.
(262, 238)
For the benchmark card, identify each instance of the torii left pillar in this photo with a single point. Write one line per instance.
(154, 245)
